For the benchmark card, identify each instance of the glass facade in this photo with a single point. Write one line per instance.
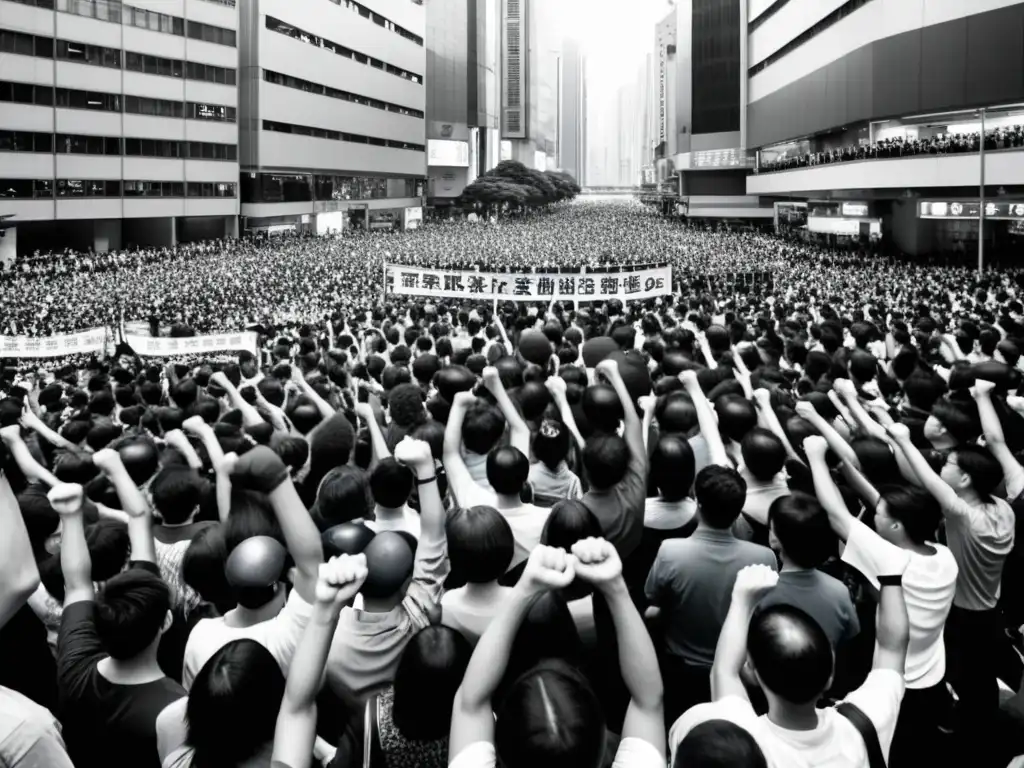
(716, 66)
(298, 188)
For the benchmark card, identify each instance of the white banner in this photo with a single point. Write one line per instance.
(92, 340)
(642, 283)
(164, 346)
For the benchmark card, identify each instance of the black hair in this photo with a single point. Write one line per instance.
(915, 508)
(672, 467)
(405, 404)
(763, 453)
(721, 493)
(801, 525)
(482, 428)
(130, 612)
(507, 470)
(790, 652)
(176, 493)
(736, 416)
(923, 389)
(343, 495)
(551, 443)
(427, 678)
(202, 567)
(294, 451)
(981, 466)
(606, 460)
(877, 461)
(719, 744)
(960, 426)
(233, 704)
(390, 483)
(480, 545)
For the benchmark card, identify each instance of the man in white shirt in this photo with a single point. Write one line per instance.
(791, 659)
(391, 485)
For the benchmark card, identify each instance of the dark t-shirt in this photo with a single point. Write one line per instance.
(105, 724)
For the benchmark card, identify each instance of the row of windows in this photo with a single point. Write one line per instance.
(360, 187)
(322, 133)
(379, 20)
(98, 55)
(295, 188)
(70, 98)
(27, 189)
(833, 18)
(325, 90)
(75, 144)
(768, 12)
(276, 25)
(114, 11)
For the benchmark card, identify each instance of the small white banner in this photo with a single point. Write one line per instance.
(165, 346)
(92, 340)
(642, 283)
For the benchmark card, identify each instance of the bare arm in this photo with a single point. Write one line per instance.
(706, 420)
(31, 421)
(831, 499)
(995, 440)
(454, 465)
(893, 634)
(930, 480)
(378, 444)
(519, 432)
(19, 575)
(176, 439)
(839, 447)
(250, 416)
(30, 468)
(140, 521)
(766, 415)
(556, 386)
(75, 562)
(864, 489)
(326, 411)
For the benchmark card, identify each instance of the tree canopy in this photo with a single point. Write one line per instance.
(513, 183)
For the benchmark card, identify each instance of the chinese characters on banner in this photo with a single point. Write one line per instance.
(86, 342)
(163, 346)
(643, 283)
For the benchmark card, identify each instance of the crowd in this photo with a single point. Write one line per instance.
(1009, 137)
(766, 520)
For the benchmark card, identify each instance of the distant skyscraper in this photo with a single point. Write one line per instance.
(572, 111)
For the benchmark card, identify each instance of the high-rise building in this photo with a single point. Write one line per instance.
(530, 75)
(333, 105)
(118, 122)
(572, 123)
(463, 95)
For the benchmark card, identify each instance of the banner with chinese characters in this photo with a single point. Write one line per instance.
(164, 346)
(59, 345)
(641, 283)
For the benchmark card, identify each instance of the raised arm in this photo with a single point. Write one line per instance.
(177, 440)
(556, 386)
(647, 404)
(250, 416)
(633, 432)
(706, 420)
(839, 516)
(769, 420)
(598, 562)
(848, 392)
(30, 468)
(140, 521)
(930, 479)
(995, 440)
(416, 455)
(378, 445)
(454, 465)
(75, 562)
(705, 350)
(337, 584)
(752, 582)
(263, 470)
(893, 634)
(472, 714)
(30, 420)
(741, 373)
(501, 330)
(519, 432)
(325, 409)
(19, 575)
(839, 446)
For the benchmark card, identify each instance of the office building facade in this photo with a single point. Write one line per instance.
(333, 103)
(572, 111)
(118, 122)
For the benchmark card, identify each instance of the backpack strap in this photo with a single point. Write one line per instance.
(867, 731)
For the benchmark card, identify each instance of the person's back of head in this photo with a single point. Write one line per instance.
(131, 612)
(176, 493)
(913, 510)
(429, 674)
(877, 462)
(293, 450)
(799, 526)
(672, 467)
(736, 416)
(721, 493)
(343, 495)
(606, 460)
(202, 568)
(550, 717)
(923, 389)
(390, 483)
(719, 744)
(480, 545)
(790, 653)
(954, 421)
(482, 428)
(976, 468)
(405, 405)
(676, 413)
(507, 470)
(390, 556)
(233, 704)
(551, 444)
(763, 453)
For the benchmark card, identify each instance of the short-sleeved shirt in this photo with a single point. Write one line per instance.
(367, 646)
(980, 538)
(632, 753)
(30, 735)
(279, 635)
(834, 743)
(929, 582)
(620, 509)
(824, 598)
(550, 486)
(691, 581)
(105, 723)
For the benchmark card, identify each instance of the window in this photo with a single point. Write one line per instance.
(379, 20)
(73, 144)
(211, 34)
(84, 53)
(140, 105)
(154, 21)
(324, 133)
(26, 189)
(200, 111)
(276, 25)
(154, 189)
(153, 65)
(835, 17)
(37, 3)
(26, 141)
(209, 73)
(228, 3)
(325, 90)
(104, 10)
(23, 93)
(25, 44)
(88, 188)
(69, 98)
(211, 189)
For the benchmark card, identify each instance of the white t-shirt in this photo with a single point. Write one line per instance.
(929, 583)
(409, 522)
(632, 753)
(279, 635)
(664, 515)
(527, 524)
(471, 616)
(835, 743)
